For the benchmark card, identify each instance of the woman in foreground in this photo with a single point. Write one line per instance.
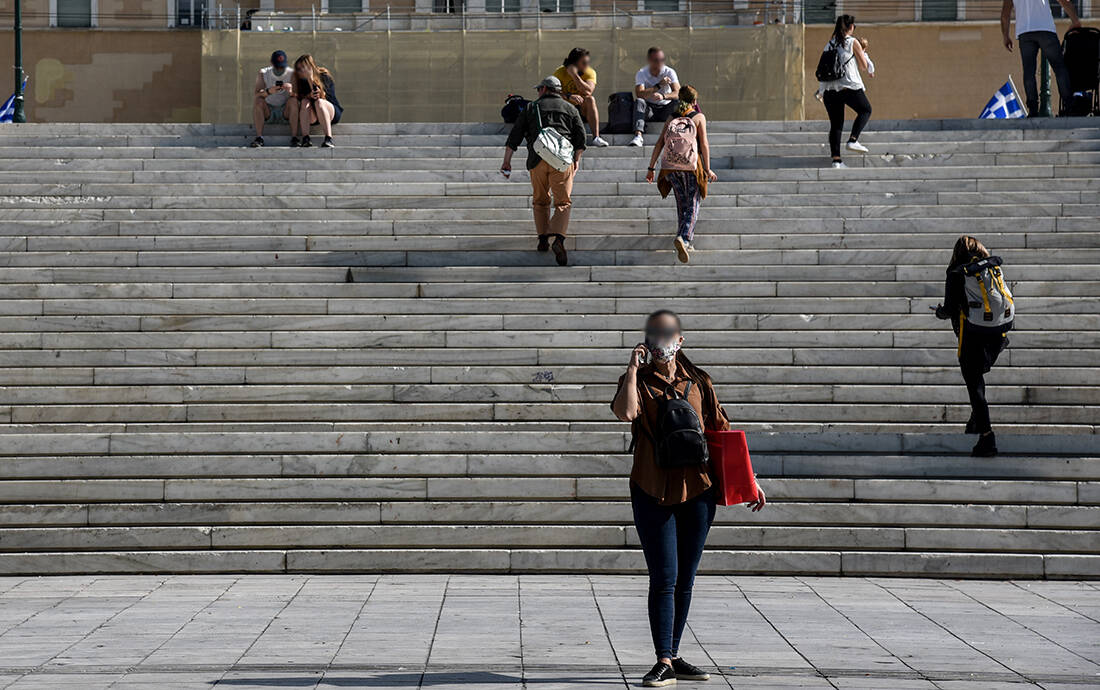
(671, 490)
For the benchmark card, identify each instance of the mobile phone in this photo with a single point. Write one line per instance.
(279, 82)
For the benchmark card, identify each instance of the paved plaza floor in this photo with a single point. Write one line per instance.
(540, 632)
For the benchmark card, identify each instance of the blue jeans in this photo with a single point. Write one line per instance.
(672, 540)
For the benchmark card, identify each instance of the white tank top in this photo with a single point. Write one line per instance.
(851, 79)
(268, 73)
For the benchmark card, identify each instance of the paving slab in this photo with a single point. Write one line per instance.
(540, 631)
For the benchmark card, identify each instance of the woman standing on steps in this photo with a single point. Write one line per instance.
(685, 168)
(842, 86)
(982, 312)
(670, 488)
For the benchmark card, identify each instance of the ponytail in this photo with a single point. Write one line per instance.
(843, 24)
(686, 100)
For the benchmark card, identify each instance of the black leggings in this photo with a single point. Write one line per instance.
(978, 351)
(834, 105)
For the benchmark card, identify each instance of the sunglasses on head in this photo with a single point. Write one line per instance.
(661, 332)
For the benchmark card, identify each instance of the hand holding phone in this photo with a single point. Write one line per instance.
(639, 356)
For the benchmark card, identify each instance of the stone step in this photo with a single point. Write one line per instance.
(20, 440)
(728, 179)
(774, 463)
(30, 539)
(417, 489)
(579, 289)
(1011, 128)
(716, 561)
(780, 512)
(592, 238)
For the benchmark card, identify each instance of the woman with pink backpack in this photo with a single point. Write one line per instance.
(685, 166)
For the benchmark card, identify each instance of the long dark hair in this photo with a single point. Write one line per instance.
(574, 56)
(698, 375)
(843, 24)
(967, 249)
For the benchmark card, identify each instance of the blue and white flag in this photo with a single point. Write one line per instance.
(8, 109)
(1005, 104)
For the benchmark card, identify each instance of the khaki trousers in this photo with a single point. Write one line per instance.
(547, 182)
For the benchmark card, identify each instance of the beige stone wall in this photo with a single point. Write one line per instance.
(80, 75)
(928, 70)
(741, 73)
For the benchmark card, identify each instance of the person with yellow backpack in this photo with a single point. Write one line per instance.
(981, 309)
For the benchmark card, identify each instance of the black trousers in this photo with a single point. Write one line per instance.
(1031, 42)
(978, 351)
(856, 99)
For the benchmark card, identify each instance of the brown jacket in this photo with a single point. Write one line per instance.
(673, 485)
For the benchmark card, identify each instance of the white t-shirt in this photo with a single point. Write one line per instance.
(1033, 15)
(279, 98)
(648, 80)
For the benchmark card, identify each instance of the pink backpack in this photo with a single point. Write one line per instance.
(681, 145)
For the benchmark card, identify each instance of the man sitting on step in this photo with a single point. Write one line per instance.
(550, 111)
(273, 103)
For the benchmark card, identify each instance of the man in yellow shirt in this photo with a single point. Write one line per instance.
(578, 84)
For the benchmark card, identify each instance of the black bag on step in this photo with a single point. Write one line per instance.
(620, 113)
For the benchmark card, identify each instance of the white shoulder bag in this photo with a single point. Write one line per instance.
(552, 146)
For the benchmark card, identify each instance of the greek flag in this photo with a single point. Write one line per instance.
(1005, 104)
(8, 109)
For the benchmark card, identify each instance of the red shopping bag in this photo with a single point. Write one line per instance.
(731, 467)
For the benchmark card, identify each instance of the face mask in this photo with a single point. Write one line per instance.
(663, 351)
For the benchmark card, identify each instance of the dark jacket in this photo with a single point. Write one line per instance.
(556, 113)
(955, 306)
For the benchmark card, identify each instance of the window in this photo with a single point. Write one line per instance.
(502, 6)
(344, 6)
(939, 10)
(74, 13)
(1061, 14)
(190, 13)
(556, 5)
(819, 11)
(448, 6)
(662, 5)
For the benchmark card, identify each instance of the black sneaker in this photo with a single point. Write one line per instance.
(685, 671)
(258, 142)
(544, 243)
(559, 252)
(295, 142)
(659, 676)
(306, 143)
(327, 143)
(986, 446)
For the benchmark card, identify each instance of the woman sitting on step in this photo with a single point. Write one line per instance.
(671, 490)
(317, 104)
(685, 167)
(981, 310)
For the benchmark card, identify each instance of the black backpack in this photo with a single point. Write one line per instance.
(620, 113)
(513, 106)
(678, 440)
(830, 67)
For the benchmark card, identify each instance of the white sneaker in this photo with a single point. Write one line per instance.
(839, 164)
(856, 146)
(599, 141)
(637, 141)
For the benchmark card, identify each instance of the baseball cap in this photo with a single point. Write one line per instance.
(551, 82)
(278, 58)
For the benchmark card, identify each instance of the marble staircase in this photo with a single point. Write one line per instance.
(222, 359)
